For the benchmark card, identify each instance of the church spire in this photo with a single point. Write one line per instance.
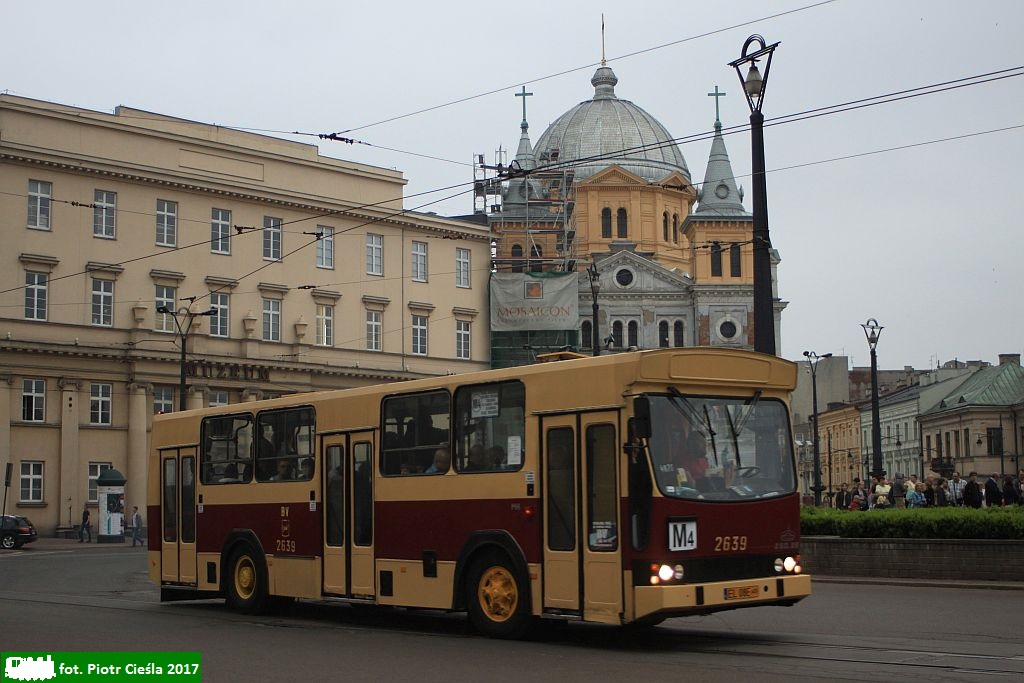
(524, 155)
(719, 194)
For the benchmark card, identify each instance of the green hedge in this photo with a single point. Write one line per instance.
(947, 522)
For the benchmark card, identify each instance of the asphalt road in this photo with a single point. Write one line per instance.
(65, 596)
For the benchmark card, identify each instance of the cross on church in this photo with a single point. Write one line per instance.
(716, 95)
(524, 95)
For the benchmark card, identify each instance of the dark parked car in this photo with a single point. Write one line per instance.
(16, 531)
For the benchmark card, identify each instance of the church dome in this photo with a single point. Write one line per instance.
(605, 125)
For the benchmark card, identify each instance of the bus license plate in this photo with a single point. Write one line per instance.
(742, 592)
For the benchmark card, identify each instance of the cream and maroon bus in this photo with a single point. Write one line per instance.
(618, 489)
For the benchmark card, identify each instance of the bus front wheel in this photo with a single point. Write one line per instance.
(247, 581)
(495, 598)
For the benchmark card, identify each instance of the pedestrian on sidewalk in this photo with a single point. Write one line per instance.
(86, 527)
(136, 527)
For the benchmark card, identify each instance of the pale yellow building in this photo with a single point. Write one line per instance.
(840, 430)
(297, 272)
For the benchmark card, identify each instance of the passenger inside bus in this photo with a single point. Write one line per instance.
(284, 471)
(230, 474)
(442, 460)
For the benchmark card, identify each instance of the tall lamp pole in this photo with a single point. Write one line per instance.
(812, 363)
(753, 87)
(188, 315)
(872, 330)
(595, 289)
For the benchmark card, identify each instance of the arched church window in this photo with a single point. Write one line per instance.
(675, 228)
(606, 223)
(633, 333)
(664, 226)
(677, 334)
(663, 330)
(586, 335)
(734, 259)
(535, 259)
(621, 224)
(716, 259)
(617, 333)
(517, 255)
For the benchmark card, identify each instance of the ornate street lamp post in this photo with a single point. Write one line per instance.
(595, 289)
(753, 87)
(812, 363)
(872, 330)
(183, 331)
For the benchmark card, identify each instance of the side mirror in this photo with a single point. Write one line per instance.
(642, 417)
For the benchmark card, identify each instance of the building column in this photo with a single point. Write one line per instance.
(70, 496)
(196, 397)
(5, 439)
(138, 451)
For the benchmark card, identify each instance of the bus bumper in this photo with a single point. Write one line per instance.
(712, 597)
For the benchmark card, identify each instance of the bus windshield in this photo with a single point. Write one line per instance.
(710, 448)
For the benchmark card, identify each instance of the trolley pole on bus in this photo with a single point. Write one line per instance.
(812, 363)
(595, 289)
(188, 315)
(753, 87)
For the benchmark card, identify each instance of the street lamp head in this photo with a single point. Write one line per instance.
(595, 279)
(212, 311)
(163, 309)
(754, 82)
(872, 330)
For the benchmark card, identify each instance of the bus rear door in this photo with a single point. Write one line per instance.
(178, 516)
(582, 556)
(348, 514)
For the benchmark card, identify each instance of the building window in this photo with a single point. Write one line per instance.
(734, 260)
(163, 400)
(663, 334)
(586, 335)
(33, 400)
(102, 302)
(219, 321)
(677, 334)
(271, 238)
(664, 226)
(165, 297)
(462, 269)
(462, 340)
(324, 325)
(606, 223)
(419, 261)
(419, 335)
(517, 258)
(617, 333)
(39, 196)
(104, 212)
(166, 223)
(621, 225)
(272, 320)
(373, 330)
(536, 254)
(633, 333)
(374, 254)
(675, 228)
(325, 247)
(100, 403)
(219, 398)
(31, 482)
(716, 259)
(220, 231)
(35, 295)
(95, 470)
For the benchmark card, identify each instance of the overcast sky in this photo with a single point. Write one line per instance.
(925, 239)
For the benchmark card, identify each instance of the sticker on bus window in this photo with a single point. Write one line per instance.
(515, 451)
(484, 404)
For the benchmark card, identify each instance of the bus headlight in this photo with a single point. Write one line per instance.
(666, 573)
(789, 563)
(678, 573)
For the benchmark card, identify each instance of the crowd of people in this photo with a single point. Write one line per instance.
(933, 491)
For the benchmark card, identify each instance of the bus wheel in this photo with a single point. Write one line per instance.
(247, 581)
(495, 598)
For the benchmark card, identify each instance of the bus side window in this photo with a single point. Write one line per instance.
(416, 426)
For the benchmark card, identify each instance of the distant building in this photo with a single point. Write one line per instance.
(315, 276)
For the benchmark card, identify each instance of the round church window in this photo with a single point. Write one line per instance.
(727, 329)
(624, 277)
(722, 191)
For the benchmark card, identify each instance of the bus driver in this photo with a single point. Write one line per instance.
(688, 454)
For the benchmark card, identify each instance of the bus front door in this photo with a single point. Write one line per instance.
(582, 556)
(348, 514)
(178, 516)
